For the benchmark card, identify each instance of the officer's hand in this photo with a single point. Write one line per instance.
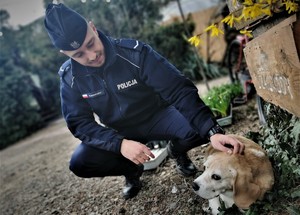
(219, 140)
(135, 151)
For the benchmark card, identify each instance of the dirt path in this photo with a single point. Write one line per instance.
(35, 178)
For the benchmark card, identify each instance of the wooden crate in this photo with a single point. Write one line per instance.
(274, 65)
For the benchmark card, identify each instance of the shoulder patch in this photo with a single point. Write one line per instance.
(65, 72)
(130, 44)
(65, 68)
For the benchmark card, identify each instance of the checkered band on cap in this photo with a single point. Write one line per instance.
(66, 28)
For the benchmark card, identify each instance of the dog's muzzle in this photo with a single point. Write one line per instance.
(195, 186)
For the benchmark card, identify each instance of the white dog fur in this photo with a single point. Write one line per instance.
(236, 179)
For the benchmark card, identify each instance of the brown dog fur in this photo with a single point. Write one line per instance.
(253, 173)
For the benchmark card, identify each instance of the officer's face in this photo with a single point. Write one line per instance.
(91, 53)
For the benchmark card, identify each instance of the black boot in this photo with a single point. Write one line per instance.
(133, 184)
(184, 165)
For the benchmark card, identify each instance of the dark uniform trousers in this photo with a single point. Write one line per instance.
(168, 124)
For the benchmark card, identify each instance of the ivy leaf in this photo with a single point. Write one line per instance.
(293, 210)
(296, 131)
(296, 193)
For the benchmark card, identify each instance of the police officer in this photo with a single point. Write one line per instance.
(137, 95)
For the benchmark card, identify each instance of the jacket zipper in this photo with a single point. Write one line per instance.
(112, 94)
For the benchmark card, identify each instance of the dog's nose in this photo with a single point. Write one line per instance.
(195, 186)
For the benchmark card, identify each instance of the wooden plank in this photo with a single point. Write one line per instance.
(274, 65)
(296, 32)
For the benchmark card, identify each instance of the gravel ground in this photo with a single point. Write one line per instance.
(35, 178)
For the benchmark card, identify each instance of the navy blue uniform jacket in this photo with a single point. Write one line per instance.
(134, 83)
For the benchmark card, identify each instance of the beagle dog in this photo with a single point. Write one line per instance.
(238, 179)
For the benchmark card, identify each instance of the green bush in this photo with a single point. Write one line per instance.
(18, 112)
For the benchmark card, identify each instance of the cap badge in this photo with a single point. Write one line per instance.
(75, 44)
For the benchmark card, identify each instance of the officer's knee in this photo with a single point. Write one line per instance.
(77, 168)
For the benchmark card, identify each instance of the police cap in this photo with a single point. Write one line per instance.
(66, 28)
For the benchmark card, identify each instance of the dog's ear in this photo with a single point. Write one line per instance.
(210, 150)
(245, 192)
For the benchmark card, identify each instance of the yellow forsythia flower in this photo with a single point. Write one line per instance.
(215, 31)
(267, 11)
(291, 6)
(252, 11)
(248, 2)
(247, 33)
(269, 2)
(272, 1)
(238, 19)
(229, 20)
(195, 40)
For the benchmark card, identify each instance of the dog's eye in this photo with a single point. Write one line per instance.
(216, 177)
